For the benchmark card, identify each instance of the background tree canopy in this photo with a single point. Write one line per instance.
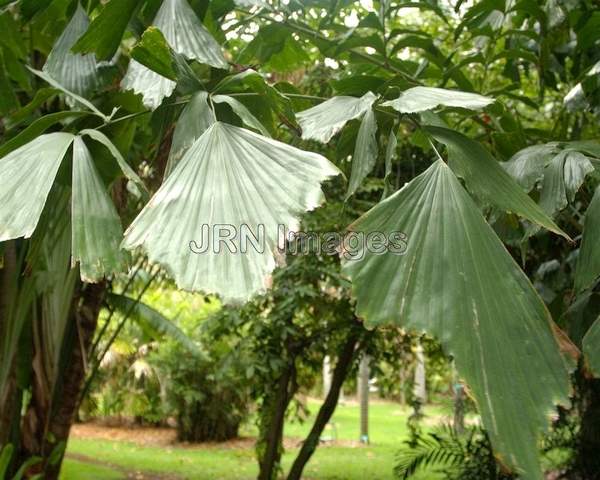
(469, 128)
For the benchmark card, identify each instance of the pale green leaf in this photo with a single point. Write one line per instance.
(591, 347)
(236, 178)
(365, 152)
(563, 177)
(446, 272)
(251, 3)
(527, 165)
(96, 227)
(187, 36)
(554, 194)
(27, 176)
(151, 319)
(195, 118)
(152, 86)
(419, 99)
(487, 179)
(577, 166)
(588, 262)
(323, 121)
(129, 173)
(77, 73)
(241, 111)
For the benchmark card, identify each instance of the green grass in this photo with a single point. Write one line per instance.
(75, 470)
(352, 462)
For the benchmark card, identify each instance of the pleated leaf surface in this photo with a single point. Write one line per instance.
(96, 227)
(230, 179)
(456, 281)
(27, 175)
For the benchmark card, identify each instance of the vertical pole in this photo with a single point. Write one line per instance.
(420, 387)
(363, 393)
(326, 375)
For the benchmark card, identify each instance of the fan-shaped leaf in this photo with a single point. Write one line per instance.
(237, 184)
(527, 165)
(27, 176)
(187, 36)
(419, 99)
(97, 231)
(588, 262)
(591, 347)
(456, 281)
(562, 178)
(326, 119)
(365, 152)
(487, 179)
(576, 167)
(554, 194)
(77, 73)
(195, 118)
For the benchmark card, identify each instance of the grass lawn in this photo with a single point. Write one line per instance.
(345, 461)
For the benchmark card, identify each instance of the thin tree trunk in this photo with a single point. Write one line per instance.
(326, 411)
(85, 319)
(270, 459)
(587, 458)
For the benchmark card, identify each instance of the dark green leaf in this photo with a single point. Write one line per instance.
(588, 262)
(36, 128)
(104, 35)
(153, 52)
(450, 275)
(488, 180)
